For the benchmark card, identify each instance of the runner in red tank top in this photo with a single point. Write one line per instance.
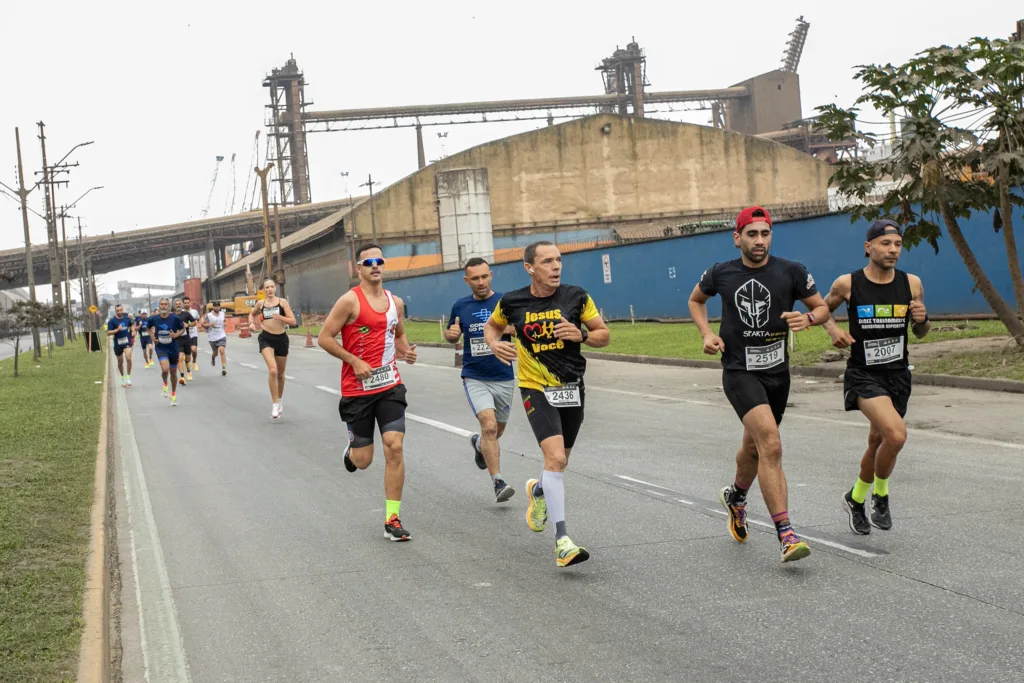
(369, 319)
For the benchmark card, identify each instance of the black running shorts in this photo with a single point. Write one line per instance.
(278, 342)
(747, 390)
(359, 413)
(185, 346)
(547, 420)
(861, 383)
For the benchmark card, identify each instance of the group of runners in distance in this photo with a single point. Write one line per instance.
(542, 327)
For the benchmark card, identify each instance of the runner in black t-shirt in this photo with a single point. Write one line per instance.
(882, 304)
(758, 292)
(184, 342)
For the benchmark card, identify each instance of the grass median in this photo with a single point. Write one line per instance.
(50, 420)
(681, 340)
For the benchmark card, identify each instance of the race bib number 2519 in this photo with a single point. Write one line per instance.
(764, 357)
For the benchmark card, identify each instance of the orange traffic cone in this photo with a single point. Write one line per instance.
(309, 338)
(243, 330)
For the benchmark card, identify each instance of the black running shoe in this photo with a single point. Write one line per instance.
(478, 456)
(393, 530)
(880, 516)
(502, 491)
(213, 361)
(858, 516)
(349, 465)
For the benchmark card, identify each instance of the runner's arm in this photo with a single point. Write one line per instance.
(598, 334)
(288, 319)
(836, 297)
(699, 310)
(336, 319)
(252, 312)
(402, 346)
(917, 305)
(817, 308)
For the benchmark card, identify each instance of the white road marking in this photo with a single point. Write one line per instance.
(247, 365)
(816, 539)
(163, 654)
(646, 395)
(443, 426)
(288, 377)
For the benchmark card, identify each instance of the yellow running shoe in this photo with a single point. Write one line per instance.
(166, 394)
(189, 376)
(568, 553)
(537, 512)
(793, 548)
(174, 400)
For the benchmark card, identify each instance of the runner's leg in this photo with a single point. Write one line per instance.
(489, 440)
(282, 363)
(128, 361)
(268, 358)
(887, 422)
(759, 423)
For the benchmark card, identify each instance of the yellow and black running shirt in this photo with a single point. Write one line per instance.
(545, 360)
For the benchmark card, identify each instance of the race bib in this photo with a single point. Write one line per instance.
(380, 377)
(764, 357)
(144, 333)
(478, 347)
(565, 396)
(122, 341)
(879, 351)
(164, 337)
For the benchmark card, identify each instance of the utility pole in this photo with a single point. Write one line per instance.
(267, 256)
(373, 217)
(67, 276)
(51, 225)
(23, 197)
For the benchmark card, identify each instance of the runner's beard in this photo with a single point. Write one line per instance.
(756, 258)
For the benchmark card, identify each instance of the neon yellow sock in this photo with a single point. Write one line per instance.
(391, 508)
(881, 486)
(860, 490)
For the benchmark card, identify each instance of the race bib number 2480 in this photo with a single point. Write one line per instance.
(383, 376)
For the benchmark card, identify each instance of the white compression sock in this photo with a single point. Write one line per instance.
(554, 493)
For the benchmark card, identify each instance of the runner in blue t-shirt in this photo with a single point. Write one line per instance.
(120, 328)
(489, 383)
(145, 340)
(165, 328)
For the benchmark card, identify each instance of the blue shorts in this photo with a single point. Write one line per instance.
(168, 353)
(145, 340)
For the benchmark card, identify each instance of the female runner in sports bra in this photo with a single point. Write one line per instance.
(275, 315)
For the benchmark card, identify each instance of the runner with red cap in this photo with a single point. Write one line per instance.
(882, 303)
(369, 319)
(758, 292)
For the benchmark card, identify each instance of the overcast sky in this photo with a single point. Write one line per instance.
(163, 91)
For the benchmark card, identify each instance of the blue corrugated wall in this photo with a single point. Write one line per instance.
(657, 277)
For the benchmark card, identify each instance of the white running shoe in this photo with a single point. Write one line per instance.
(128, 382)
(275, 412)
(280, 406)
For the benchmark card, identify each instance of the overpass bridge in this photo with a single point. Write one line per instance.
(107, 253)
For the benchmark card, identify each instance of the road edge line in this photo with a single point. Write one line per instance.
(94, 646)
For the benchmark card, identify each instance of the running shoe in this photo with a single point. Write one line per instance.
(223, 371)
(537, 512)
(174, 400)
(275, 411)
(880, 516)
(189, 376)
(502, 491)
(280, 406)
(128, 382)
(568, 553)
(858, 517)
(393, 530)
(477, 455)
(166, 394)
(181, 381)
(213, 361)
(737, 523)
(349, 465)
(793, 548)
(123, 381)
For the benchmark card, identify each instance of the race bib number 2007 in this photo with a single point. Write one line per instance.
(764, 357)
(383, 376)
(879, 351)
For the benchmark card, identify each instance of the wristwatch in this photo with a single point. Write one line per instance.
(585, 332)
(810, 316)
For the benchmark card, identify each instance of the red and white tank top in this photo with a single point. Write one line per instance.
(371, 338)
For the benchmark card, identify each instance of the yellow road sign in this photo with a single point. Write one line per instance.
(93, 309)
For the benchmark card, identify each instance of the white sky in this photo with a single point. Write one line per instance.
(163, 91)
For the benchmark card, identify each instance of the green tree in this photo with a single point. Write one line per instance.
(25, 316)
(961, 151)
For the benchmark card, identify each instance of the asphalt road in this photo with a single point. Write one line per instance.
(256, 557)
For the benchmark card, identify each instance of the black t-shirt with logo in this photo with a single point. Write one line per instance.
(753, 301)
(188, 321)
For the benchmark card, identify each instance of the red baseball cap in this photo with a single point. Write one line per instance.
(752, 214)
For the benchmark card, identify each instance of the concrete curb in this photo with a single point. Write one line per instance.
(953, 381)
(94, 649)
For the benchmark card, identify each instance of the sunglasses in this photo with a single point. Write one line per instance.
(370, 262)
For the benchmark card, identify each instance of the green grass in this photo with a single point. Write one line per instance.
(996, 364)
(49, 418)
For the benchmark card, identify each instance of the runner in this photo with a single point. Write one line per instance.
(166, 328)
(276, 315)
(882, 303)
(184, 342)
(551, 321)
(145, 340)
(120, 328)
(489, 384)
(758, 292)
(369, 319)
(193, 333)
(218, 338)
